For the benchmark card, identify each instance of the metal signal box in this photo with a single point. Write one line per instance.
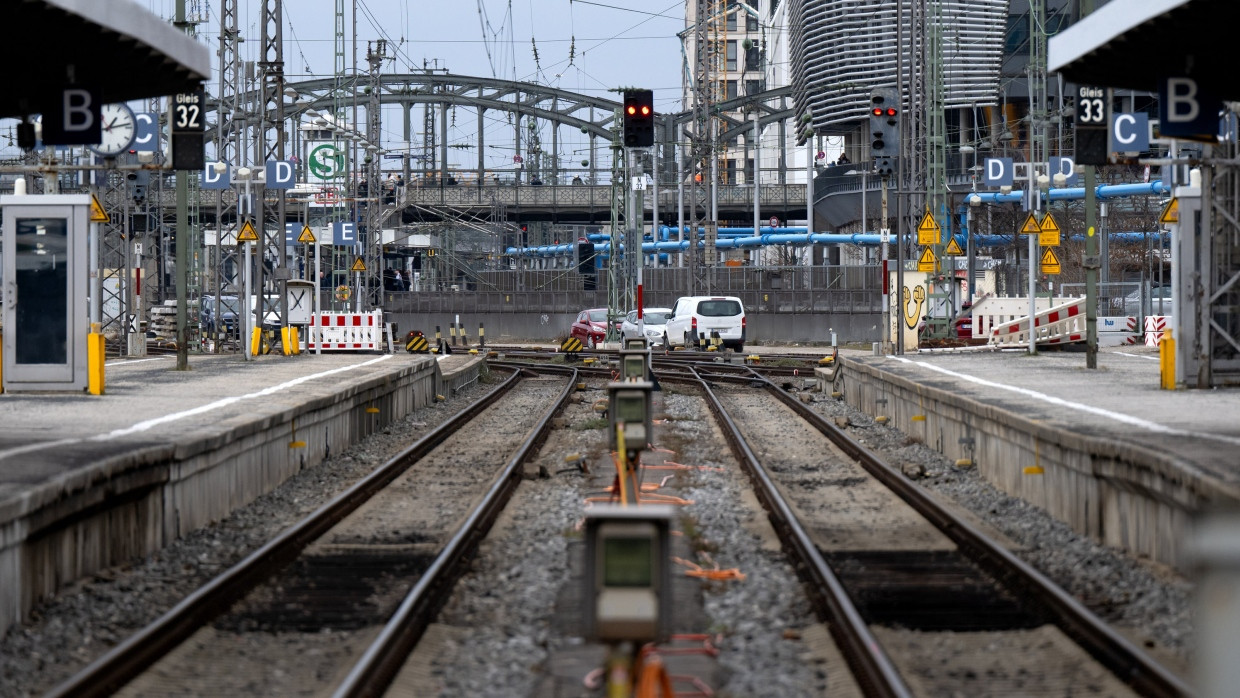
(634, 364)
(628, 573)
(629, 403)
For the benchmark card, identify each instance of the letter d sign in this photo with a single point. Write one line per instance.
(72, 118)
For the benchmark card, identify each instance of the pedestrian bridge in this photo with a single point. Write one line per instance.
(583, 203)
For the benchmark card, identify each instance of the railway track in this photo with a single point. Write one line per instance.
(921, 601)
(337, 598)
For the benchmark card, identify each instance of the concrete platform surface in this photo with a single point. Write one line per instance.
(1119, 400)
(149, 410)
(87, 481)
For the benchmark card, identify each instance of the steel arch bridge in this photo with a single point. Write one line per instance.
(555, 105)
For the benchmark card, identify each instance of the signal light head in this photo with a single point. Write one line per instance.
(878, 111)
(891, 111)
(645, 110)
(632, 110)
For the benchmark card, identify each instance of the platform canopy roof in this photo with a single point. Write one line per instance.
(115, 47)
(1133, 43)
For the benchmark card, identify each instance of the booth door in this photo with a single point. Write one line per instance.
(38, 339)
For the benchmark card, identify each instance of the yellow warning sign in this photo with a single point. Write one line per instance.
(1170, 214)
(97, 214)
(928, 230)
(358, 265)
(927, 261)
(953, 248)
(1050, 263)
(1031, 226)
(1049, 237)
(247, 233)
(306, 236)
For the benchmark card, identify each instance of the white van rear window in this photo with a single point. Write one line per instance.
(719, 308)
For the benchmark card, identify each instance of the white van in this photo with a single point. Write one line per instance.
(694, 315)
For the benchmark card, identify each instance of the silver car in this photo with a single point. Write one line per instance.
(1157, 295)
(655, 322)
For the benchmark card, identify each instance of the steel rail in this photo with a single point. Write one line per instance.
(374, 672)
(871, 666)
(136, 653)
(1127, 661)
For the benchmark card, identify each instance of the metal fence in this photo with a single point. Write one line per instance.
(821, 289)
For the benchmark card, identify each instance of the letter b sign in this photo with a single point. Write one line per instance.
(72, 118)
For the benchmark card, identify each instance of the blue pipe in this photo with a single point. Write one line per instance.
(1102, 191)
(752, 241)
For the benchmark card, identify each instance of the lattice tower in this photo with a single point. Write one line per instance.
(1039, 139)
(616, 296)
(376, 53)
(702, 184)
(1217, 355)
(272, 137)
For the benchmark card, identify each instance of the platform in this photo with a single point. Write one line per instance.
(89, 481)
(1104, 450)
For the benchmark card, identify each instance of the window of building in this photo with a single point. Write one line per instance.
(751, 23)
(731, 55)
(731, 21)
(732, 89)
(753, 87)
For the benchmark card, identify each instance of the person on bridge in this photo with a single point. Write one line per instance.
(389, 190)
(577, 179)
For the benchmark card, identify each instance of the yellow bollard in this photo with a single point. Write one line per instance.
(1166, 359)
(296, 339)
(256, 341)
(95, 357)
(285, 334)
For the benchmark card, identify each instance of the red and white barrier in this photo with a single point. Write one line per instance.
(1060, 324)
(345, 331)
(1154, 326)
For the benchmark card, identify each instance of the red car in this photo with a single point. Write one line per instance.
(591, 326)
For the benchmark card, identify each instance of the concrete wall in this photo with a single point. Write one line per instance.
(168, 490)
(503, 328)
(1124, 495)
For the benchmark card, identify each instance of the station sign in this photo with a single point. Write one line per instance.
(188, 121)
(998, 172)
(72, 118)
(1186, 109)
(146, 136)
(1130, 133)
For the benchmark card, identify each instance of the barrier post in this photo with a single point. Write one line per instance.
(1166, 359)
(438, 339)
(96, 355)
(482, 337)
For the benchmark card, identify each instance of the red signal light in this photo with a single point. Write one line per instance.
(891, 111)
(632, 110)
(645, 110)
(878, 111)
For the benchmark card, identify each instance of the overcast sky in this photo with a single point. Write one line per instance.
(580, 46)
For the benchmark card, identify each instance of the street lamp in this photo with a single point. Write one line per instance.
(245, 209)
(970, 249)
